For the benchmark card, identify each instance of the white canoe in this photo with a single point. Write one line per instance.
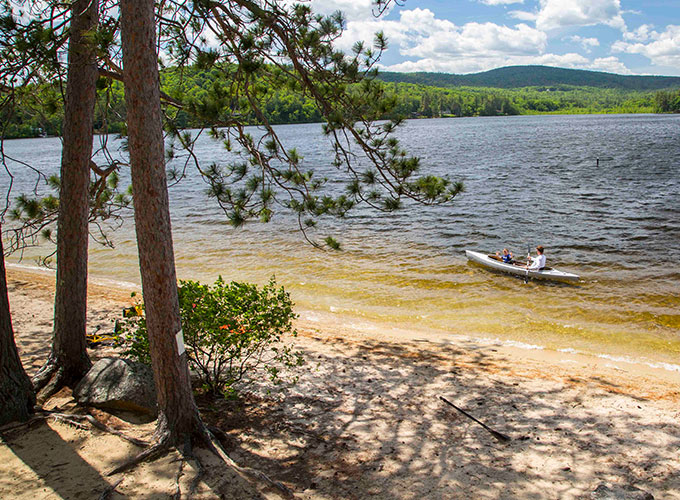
(547, 273)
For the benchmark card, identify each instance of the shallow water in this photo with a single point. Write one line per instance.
(530, 180)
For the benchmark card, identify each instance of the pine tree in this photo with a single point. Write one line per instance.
(177, 413)
(33, 39)
(68, 361)
(16, 391)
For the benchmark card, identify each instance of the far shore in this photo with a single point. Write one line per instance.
(365, 419)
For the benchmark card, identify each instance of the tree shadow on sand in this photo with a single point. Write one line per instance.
(367, 422)
(55, 462)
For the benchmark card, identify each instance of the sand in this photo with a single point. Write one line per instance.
(365, 420)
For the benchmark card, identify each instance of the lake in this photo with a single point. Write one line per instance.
(529, 180)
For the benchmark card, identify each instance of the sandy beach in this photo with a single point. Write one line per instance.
(365, 420)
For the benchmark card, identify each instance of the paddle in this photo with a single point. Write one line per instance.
(526, 277)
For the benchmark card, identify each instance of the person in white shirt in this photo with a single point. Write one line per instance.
(538, 262)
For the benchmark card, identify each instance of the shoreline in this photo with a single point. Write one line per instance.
(362, 328)
(547, 361)
(364, 420)
(559, 112)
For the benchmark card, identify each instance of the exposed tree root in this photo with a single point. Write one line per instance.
(247, 472)
(178, 488)
(197, 478)
(187, 455)
(67, 419)
(100, 425)
(54, 375)
(76, 420)
(157, 450)
(207, 439)
(49, 380)
(106, 494)
(13, 426)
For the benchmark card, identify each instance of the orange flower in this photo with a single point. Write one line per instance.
(224, 327)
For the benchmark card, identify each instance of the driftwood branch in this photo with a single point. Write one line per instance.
(500, 437)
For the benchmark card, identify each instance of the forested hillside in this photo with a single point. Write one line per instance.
(537, 76)
(42, 111)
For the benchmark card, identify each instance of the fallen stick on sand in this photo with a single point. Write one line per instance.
(500, 437)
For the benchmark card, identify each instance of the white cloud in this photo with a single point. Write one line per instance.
(562, 13)
(418, 33)
(555, 14)
(570, 60)
(475, 39)
(586, 43)
(523, 15)
(500, 2)
(352, 9)
(663, 49)
(641, 34)
(609, 64)
(438, 45)
(477, 64)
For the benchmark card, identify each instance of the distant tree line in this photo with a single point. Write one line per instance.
(284, 105)
(416, 101)
(667, 101)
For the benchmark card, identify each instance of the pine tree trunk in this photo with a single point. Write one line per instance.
(16, 392)
(68, 361)
(178, 416)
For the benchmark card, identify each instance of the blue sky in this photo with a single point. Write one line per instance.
(467, 36)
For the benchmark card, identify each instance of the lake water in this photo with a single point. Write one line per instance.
(530, 180)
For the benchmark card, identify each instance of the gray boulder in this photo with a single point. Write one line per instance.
(119, 384)
(608, 492)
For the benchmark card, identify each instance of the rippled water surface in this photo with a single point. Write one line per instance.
(529, 181)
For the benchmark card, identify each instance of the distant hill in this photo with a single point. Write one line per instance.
(536, 76)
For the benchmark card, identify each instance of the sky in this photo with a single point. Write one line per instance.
(630, 37)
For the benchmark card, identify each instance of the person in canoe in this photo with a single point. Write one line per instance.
(538, 262)
(506, 257)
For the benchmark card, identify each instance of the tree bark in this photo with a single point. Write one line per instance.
(16, 392)
(68, 361)
(178, 417)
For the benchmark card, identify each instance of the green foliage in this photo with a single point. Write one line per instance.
(230, 330)
(417, 101)
(209, 98)
(666, 101)
(35, 216)
(40, 113)
(132, 333)
(278, 64)
(332, 243)
(275, 63)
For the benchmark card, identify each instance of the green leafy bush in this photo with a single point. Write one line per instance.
(230, 329)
